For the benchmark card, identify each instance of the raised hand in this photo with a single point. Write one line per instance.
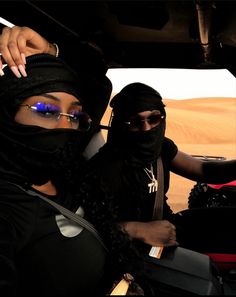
(16, 43)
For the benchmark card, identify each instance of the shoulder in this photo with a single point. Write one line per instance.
(107, 158)
(169, 142)
(8, 187)
(106, 170)
(12, 197)
(169, 149)
(17, 208)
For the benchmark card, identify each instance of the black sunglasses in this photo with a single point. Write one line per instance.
(154, 119)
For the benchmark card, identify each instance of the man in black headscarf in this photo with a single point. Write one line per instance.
(126, 177)
(127, 162)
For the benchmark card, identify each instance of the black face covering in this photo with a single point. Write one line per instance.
(140, 147)
(34, 155)
(31, 154)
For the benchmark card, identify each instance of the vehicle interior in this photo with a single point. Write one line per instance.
(142, 35)
(194, 34)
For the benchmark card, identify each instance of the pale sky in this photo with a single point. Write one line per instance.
(178, 83)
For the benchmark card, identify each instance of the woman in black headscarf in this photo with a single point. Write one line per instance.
(16, 43)
(43, 132)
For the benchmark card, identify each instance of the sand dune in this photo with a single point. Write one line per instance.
(205, 126)
(202, 121)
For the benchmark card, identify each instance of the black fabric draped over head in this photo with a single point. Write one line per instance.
(45, 74)
(141, 147)
(135, 98)
(31, 154)
(94, 86)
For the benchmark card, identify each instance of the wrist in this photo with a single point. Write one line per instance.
(133, 229)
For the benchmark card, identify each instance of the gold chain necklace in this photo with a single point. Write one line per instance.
(153, 185)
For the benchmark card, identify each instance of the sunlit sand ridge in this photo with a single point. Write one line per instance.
(202, 126)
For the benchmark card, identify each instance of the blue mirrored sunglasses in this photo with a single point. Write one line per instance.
(78, 119)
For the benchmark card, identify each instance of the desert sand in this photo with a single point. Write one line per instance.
(199, 126)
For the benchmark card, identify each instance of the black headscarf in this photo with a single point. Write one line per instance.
(31, 154)
(141, 147)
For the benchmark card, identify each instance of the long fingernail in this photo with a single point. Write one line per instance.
(15, 71)
(22, 70)
(23, 58)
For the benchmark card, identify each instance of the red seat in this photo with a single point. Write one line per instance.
(224, 262)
